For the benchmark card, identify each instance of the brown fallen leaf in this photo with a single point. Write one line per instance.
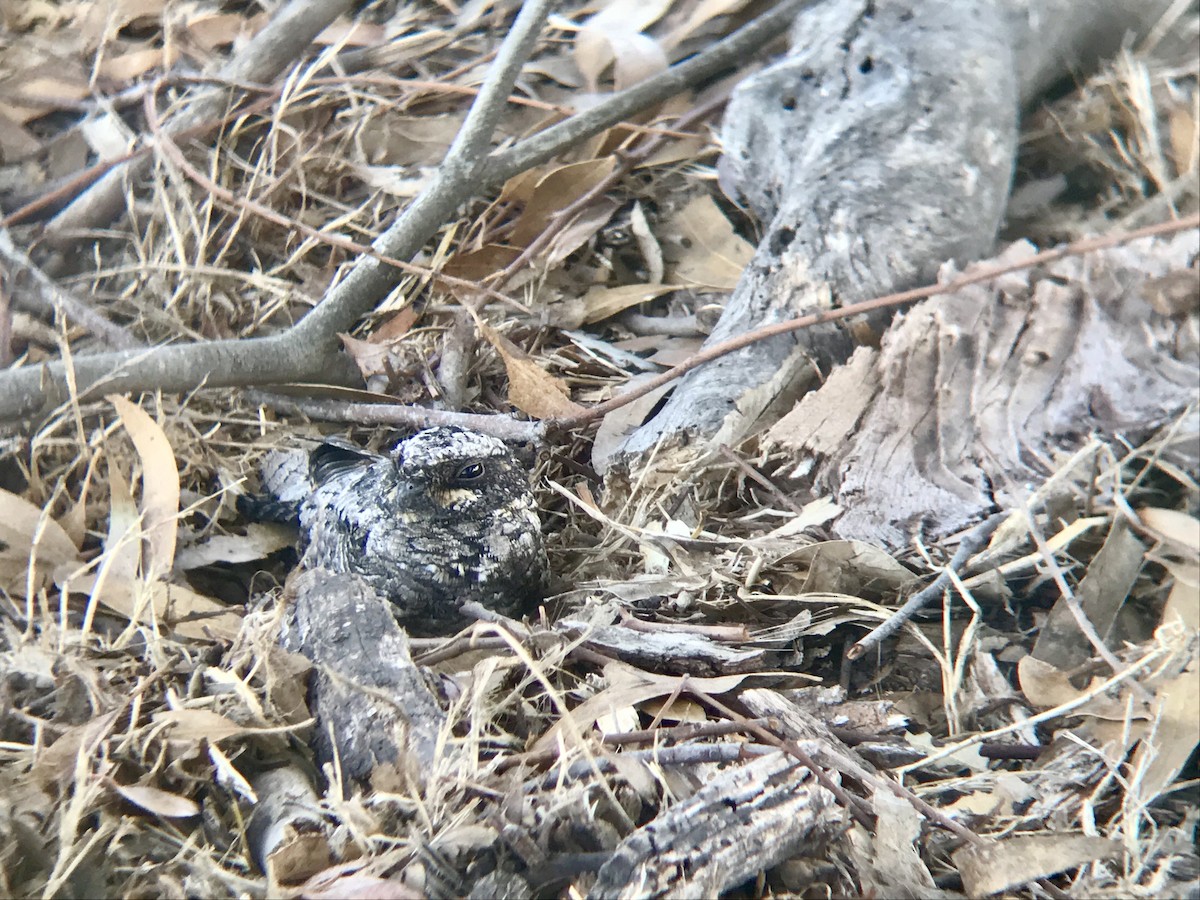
(178, 609)
(712, 254)
(1019, 860)
(26, 534)
(551, 191)
(134, 64)
(160, 486)
(613, 36)
(160, 802)
(602, 302)
(531, 389)
(195, 725)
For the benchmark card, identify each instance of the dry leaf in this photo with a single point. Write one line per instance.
(1184, 137)
(410, 142)
(551, 192)
(357, 886)
(25, 534)
(54, 84)
(260, 541)
(680, 711)
(352, 34)
(1183, 603)
(300, 856)
(996, 867)
(704, 12)
(1175, 527)
(179, 609)
(395, 326)
(628, 686)
(603, 302)
(850, 567)
(371, 358)
(122, 543)
(622, 421)
(161, 803)
(613, 37)
(56, 764)
(1046, 687)
(476, 265)
(102, 21)
(712, 254)
(887, 859)
(133, 65)
(531, 389)
(1168, 744)
(196, 725)
(580, 230)
(160, 486)
(212, 31)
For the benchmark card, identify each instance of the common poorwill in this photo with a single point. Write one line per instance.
(447, 516)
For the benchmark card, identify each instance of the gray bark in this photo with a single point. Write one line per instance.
(372, 705)
(881, 148)
(749, 818)
(974, 393)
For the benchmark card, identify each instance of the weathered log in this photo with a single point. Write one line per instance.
(973, 393)
(749, 818)
(375, 714)
(880, 149)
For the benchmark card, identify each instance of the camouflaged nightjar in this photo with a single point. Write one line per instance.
(446, 517)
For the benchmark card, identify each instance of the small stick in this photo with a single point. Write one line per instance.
(970, 545)
(684, 732)
(730, 634)
(503, 427)
(45, 296)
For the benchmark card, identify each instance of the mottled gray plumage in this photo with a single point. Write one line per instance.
(446, 517)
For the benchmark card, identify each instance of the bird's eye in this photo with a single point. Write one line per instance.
(468, 473)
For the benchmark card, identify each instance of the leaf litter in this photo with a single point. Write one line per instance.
(147, 701)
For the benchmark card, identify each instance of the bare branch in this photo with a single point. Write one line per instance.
(504, 427)
(309, 349)
(42, 295)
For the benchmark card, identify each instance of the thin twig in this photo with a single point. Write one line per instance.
(685, 732)
(901, 298)
(683, 755)
(47, 298)
(975, 541)
(503, 427)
